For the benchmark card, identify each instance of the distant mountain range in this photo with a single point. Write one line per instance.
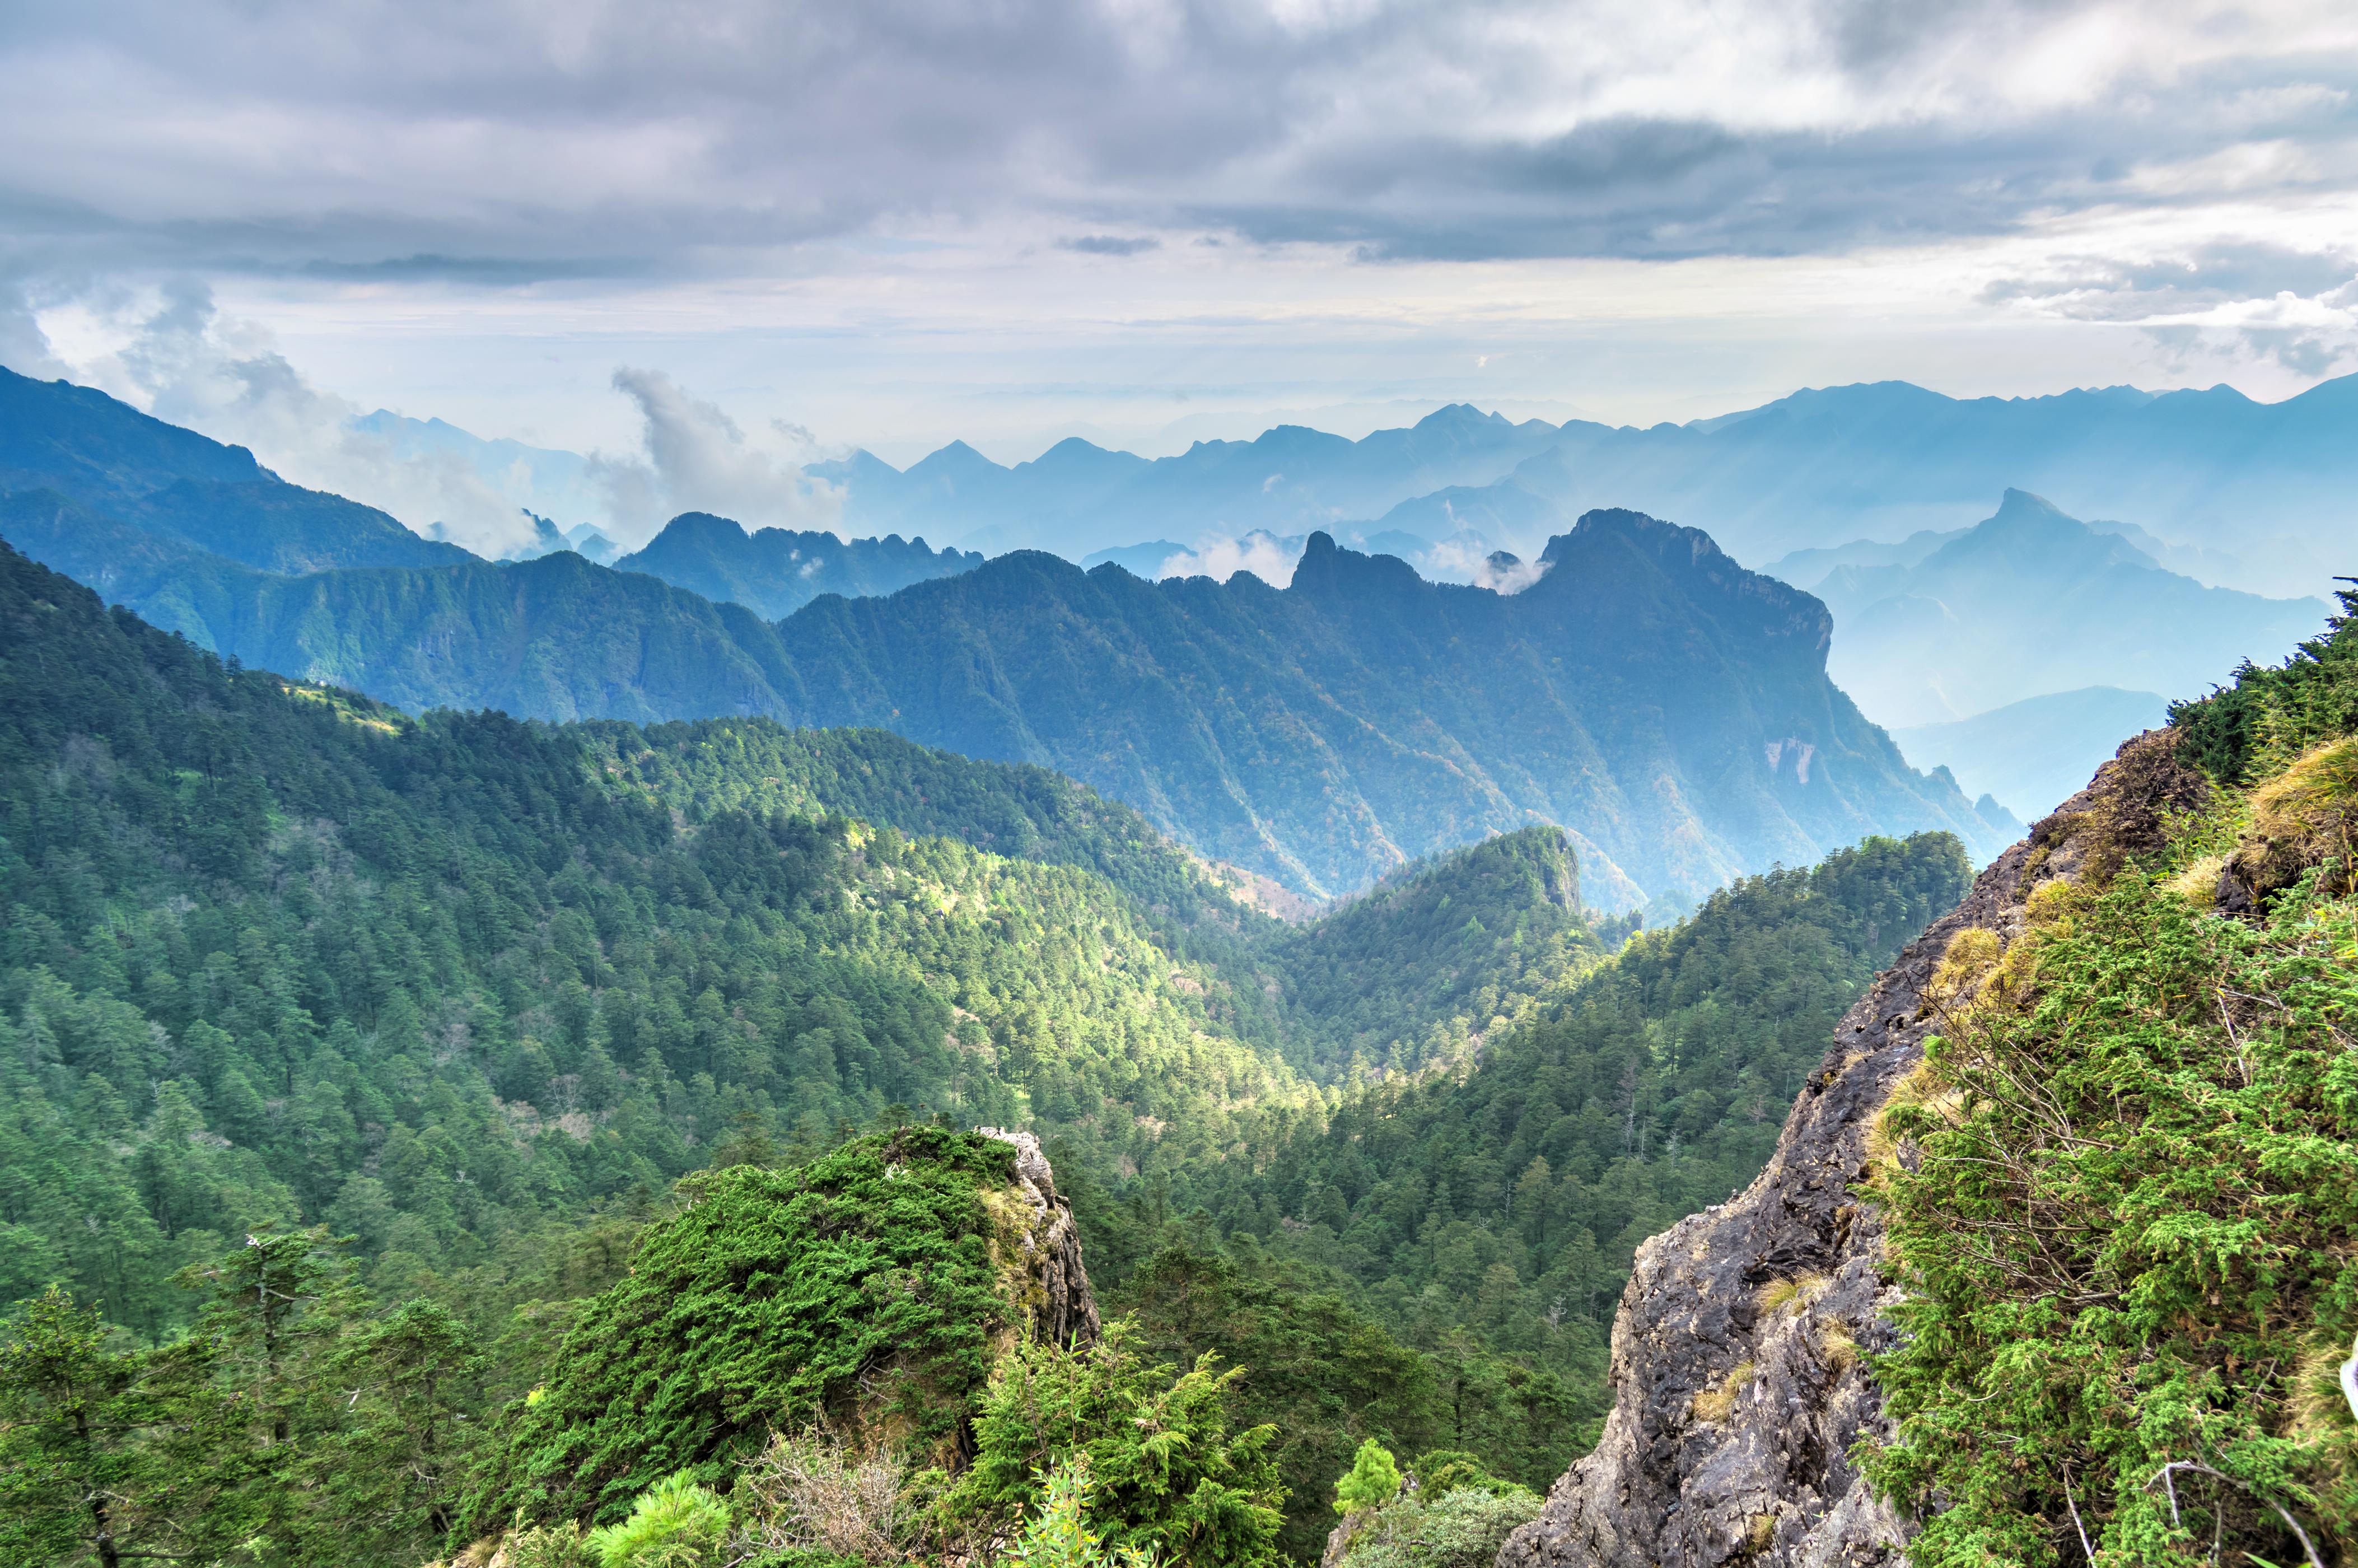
(1076, 498)
(2027, 602)
(2035, 754)
(1669, 708)
(774, 571)
(2256, 495)
(130, 504)
(1284, 724)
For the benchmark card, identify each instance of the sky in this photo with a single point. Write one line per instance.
(792, 229)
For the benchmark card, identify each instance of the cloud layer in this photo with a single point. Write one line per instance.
(954, 220)
(499, 141)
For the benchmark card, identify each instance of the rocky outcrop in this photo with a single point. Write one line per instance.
(1057, 1300)
(1738, 1389)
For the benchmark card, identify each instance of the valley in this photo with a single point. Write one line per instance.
(570, 992)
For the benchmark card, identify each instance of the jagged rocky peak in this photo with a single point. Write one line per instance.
(1738, 1386)
(1061, 1308)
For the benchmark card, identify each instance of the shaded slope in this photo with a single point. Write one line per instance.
(1647, 693)
(1669, 708)
(160, 479)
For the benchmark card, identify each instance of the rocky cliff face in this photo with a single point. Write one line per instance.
(1056, 1297)
(1738, 1385)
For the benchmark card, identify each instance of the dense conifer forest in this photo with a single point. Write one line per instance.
(348, 1058)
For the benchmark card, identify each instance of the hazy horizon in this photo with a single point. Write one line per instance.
(813, 227)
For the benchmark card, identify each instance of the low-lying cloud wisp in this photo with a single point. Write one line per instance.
(1261, 553)
(696, 458)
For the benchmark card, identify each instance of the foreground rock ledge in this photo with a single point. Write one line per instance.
(1735, 1403)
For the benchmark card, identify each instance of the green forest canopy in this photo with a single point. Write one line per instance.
(475, 993)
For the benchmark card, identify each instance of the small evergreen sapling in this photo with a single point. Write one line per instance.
(1374, 1477)
(674, 1524)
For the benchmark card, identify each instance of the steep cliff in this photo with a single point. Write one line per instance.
(1052, 1286)
(1738, 1389)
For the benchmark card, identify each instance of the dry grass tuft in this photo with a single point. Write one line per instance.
(2303, 816)
(2198, 884)
(1971, 955)
(1712, 1404)
(2049, 903)
(1796, 1293)
(811, 1493)
(1836, 1347)
(1919, 1086)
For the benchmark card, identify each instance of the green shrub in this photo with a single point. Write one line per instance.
(1167, 1474)
(1446, 1470)
(674, 1524)
(863, 1288)
(1059, 1535)
(2121, 1243)
(1462, 1527)
(1374, 1477)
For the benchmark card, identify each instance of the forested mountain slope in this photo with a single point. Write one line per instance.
(474, 993)
(1669, 708)
(445, 981)
(1666, 707)
(1509, 1199)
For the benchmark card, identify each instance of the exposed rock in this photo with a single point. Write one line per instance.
(1339, 1540)
(1061, 1309)
(1738, 1389)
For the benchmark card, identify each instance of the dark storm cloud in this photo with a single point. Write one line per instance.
(514, 141)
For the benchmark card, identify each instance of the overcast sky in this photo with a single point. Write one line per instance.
(890, 224)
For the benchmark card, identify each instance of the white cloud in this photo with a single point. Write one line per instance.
(188, 363)
(1220, 556)
(695, 458)
(1468, 558)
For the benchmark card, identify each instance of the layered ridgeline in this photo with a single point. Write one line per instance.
(1073, 497)
(195, 535)
(1666, 707)
(2255, 493)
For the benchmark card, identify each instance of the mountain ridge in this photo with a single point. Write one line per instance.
(1310, 734)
